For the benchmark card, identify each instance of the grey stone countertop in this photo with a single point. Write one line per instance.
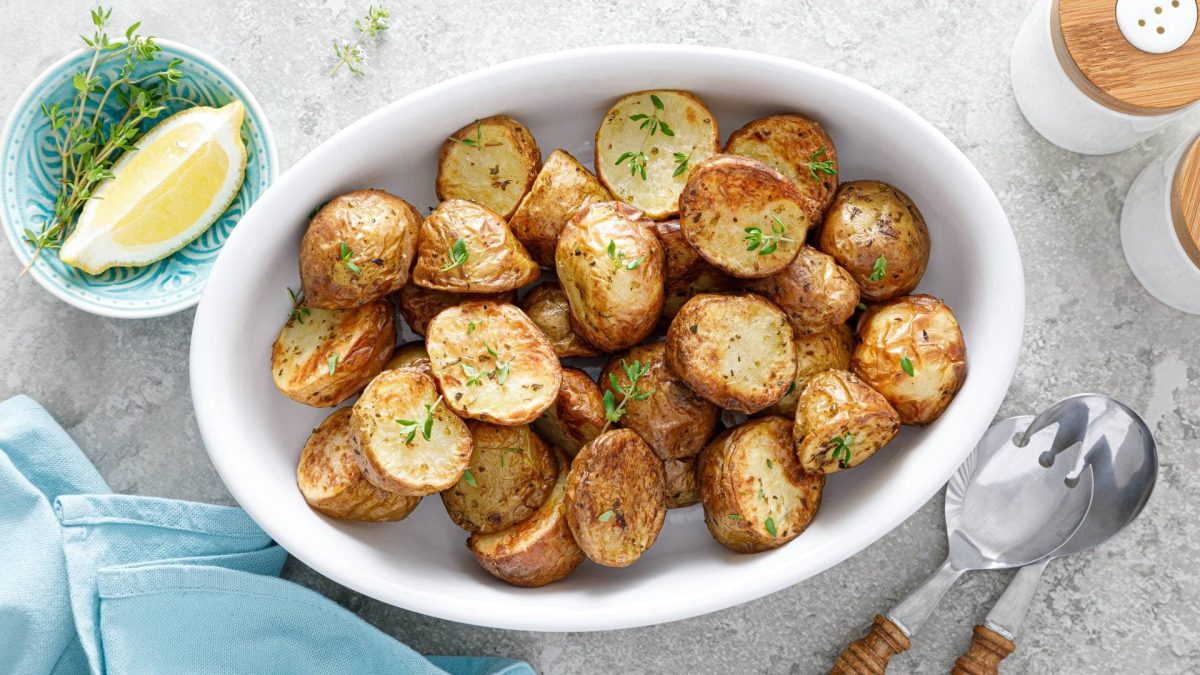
(1133, 606)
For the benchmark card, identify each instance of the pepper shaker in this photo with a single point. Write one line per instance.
(1096, 77)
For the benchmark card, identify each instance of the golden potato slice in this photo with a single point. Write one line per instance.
(616, 502)
(562, 187)
(492, 363)
(648, 142)
(756, 497)
(734, 350)
(358, 248)
(744, 217)
(687, 272)
(840, 422)
(813, 291)
(405, 438)
(332, 482)
(876, 232)
(664, 411)
(547, 306)
(537, 551)
(410, 355)
(576, 416)
(912, 351)
(419, 305)
(815, 353)
(795, 146)
(510, 476)
(468, 248)
(324, 356)
(610, 265)
(491, 162)
(682, 488)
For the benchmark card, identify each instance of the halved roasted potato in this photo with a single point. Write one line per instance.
(510, 476)
(610, 265)
(744, 217)
(492, 162)
(829, 349)
(576, 416)
(536, 551)
(562, 187)
(687, 272)
(682, 488)
(419, 305)
(616, 502)
(332, 482)
(876, 232)
(548, 307)
(795, 146)
(734, 350)
(840, 422)
(324, 356)
(813, 290)
(468, 248)
(756, 496)
(648, 142)
(358, 248)
(674, 420)
(410, 355)
(406, 439)
(911, 350)
(492, 363)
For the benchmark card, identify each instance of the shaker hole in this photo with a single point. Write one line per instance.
(1161, 30)
(1174, 3)
(1158, 10)
(1142, 22)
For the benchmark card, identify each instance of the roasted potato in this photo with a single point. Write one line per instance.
(332, 482)
(756, 497)
(547, 306)
(734, 350)
(796, 147)
(876, 232)
(358, 248)
(911, 350)
(405, 438)
(419, 305)
(682, 488)
(610, 265)
(744, 217)
(674, 420)
(616, 502)
(491, 162)
(647, 143)
(840, 422)
(510, 476)
(492, 363)
(324, 356)
(562, 187)
(536, 551)
(576, 416)
(468, 248)
(687, 273)
(816, 352)
(410, 355)
(813, 291)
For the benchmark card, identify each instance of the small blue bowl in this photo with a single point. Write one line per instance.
(29, 172)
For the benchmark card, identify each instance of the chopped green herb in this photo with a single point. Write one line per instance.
(410, 427)
(862, 306)
(681, 162)
(770, 463)
(470, 478)
(333, 360)
(906, 365)
(472, 375)
(476, 142)
(457, 255)
(878, 269)
(604, 517)
(791, 388)
(618, 257)
(299, 311)
(734, 516)
(613, 411)
(346, 254)
(471, 326)
(636, 161)
(818, 166)
(502, 372)
(766, 243)
(840, 449)
(769, 523)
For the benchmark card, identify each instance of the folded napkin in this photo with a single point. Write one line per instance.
(93, 581)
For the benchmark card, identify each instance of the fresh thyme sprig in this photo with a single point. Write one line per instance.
(345, 255)
(681, 162)
(879, 269)
(840, 446)
(457, 255)
(299, 311)
(636, 161)
(614, 411)
(766, 243)
(476, 142)
(618, 257)
(410, 427)
(818, 166)
(502, 368)
(352, 55)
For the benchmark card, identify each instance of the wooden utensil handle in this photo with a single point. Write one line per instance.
(988, 649)
(869, 654)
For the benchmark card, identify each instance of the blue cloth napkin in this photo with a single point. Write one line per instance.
(92, 581)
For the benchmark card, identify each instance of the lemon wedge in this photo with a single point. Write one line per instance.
(181, 177)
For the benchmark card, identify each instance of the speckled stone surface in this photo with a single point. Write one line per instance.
(1133, 606)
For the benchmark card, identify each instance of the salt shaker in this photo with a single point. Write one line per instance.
(1095, 78)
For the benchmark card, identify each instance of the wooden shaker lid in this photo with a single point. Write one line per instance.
(1185, 201)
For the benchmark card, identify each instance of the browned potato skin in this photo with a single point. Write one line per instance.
(380, 232)
(611, 307)
(410, 355)
(814, 291)
(834, 403)
(733, 474)
(688, 273)
(682, 487)
(332, 482)
(497, 175)
(562, 187)
(616, 473)
(547, 306)
(362, 338)
(419, 305)
(514, 472)
(829, 349)
(496, 261)
(674, 420)
(869, 219)
(576, 416)
(924, 329)
(788, 143)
